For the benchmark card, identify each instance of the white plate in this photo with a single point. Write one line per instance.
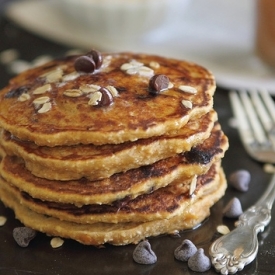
(215, 33)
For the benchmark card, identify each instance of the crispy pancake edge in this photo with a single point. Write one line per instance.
(116, 234)
(163, 203)
(130, 184)
(111, 159)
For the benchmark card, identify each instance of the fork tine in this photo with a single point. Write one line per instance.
(265, 108)
(238, 110)
(255, 113)
(260, 115)
(256, 126)
(261, 110)
(269, 103)
(271, 108)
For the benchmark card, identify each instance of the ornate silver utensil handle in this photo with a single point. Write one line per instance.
(231, 252)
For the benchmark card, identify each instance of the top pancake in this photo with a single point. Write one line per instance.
(68, 119)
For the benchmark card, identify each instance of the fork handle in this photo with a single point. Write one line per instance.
(233, 251)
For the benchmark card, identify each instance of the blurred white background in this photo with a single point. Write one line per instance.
(218, 34)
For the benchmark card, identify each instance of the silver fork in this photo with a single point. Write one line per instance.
(255, 114)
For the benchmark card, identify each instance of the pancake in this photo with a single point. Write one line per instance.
(97, 162)
(129, 184)
(111, 148)
(163, 203)
(54, 105)
(120, 233)
(2, 151)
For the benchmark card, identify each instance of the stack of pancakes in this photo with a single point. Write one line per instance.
(111, 148)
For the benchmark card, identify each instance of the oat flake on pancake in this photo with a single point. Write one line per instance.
(62, 103)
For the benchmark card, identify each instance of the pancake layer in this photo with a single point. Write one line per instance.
(130, 184)
(68, 118)
(97, 162)
(120, 233)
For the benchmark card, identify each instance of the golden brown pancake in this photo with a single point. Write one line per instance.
(51, 104)
(163, 203)
(129, 184)
(111, 148)
(96, 162)
(120, 233)
(2, 152)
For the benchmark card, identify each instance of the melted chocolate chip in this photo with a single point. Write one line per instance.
(198, 156)
(158, 83)
(97, 57)
(17, 92)
(106, 99)
(84, 64)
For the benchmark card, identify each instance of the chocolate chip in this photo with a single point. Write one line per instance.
(199, 262)
(97, 57)
(106, 99)
(186, 250)
(89, 62)
(23, 235)
(158, 83)
(84, 64)
(17, 92)
(233, 209)
(240, 180)
(143, 253)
